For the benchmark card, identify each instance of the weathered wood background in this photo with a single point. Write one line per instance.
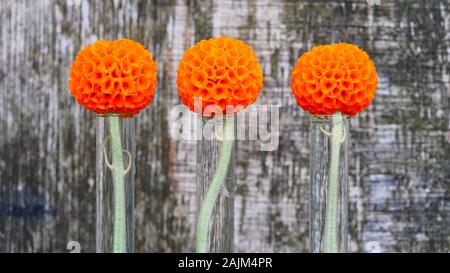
(400, 147)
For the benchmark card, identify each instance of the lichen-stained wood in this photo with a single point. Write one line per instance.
(400, 146)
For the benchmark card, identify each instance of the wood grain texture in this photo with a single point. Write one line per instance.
(400, 146)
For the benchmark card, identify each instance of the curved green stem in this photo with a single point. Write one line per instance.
(119, 235)
(332, 206)
(214, 188)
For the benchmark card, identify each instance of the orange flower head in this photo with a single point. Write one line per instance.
(220, 72)
(334, 78)
(113, 77)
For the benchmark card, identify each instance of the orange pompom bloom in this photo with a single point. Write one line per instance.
(113, 77)
(220, 71)
(334, 78)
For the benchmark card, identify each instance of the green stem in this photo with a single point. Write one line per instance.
(119, 237)
(332, 206)
(214, 188)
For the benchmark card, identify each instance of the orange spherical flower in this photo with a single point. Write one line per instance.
(113, 77)
(334, 78)
(220, 71)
